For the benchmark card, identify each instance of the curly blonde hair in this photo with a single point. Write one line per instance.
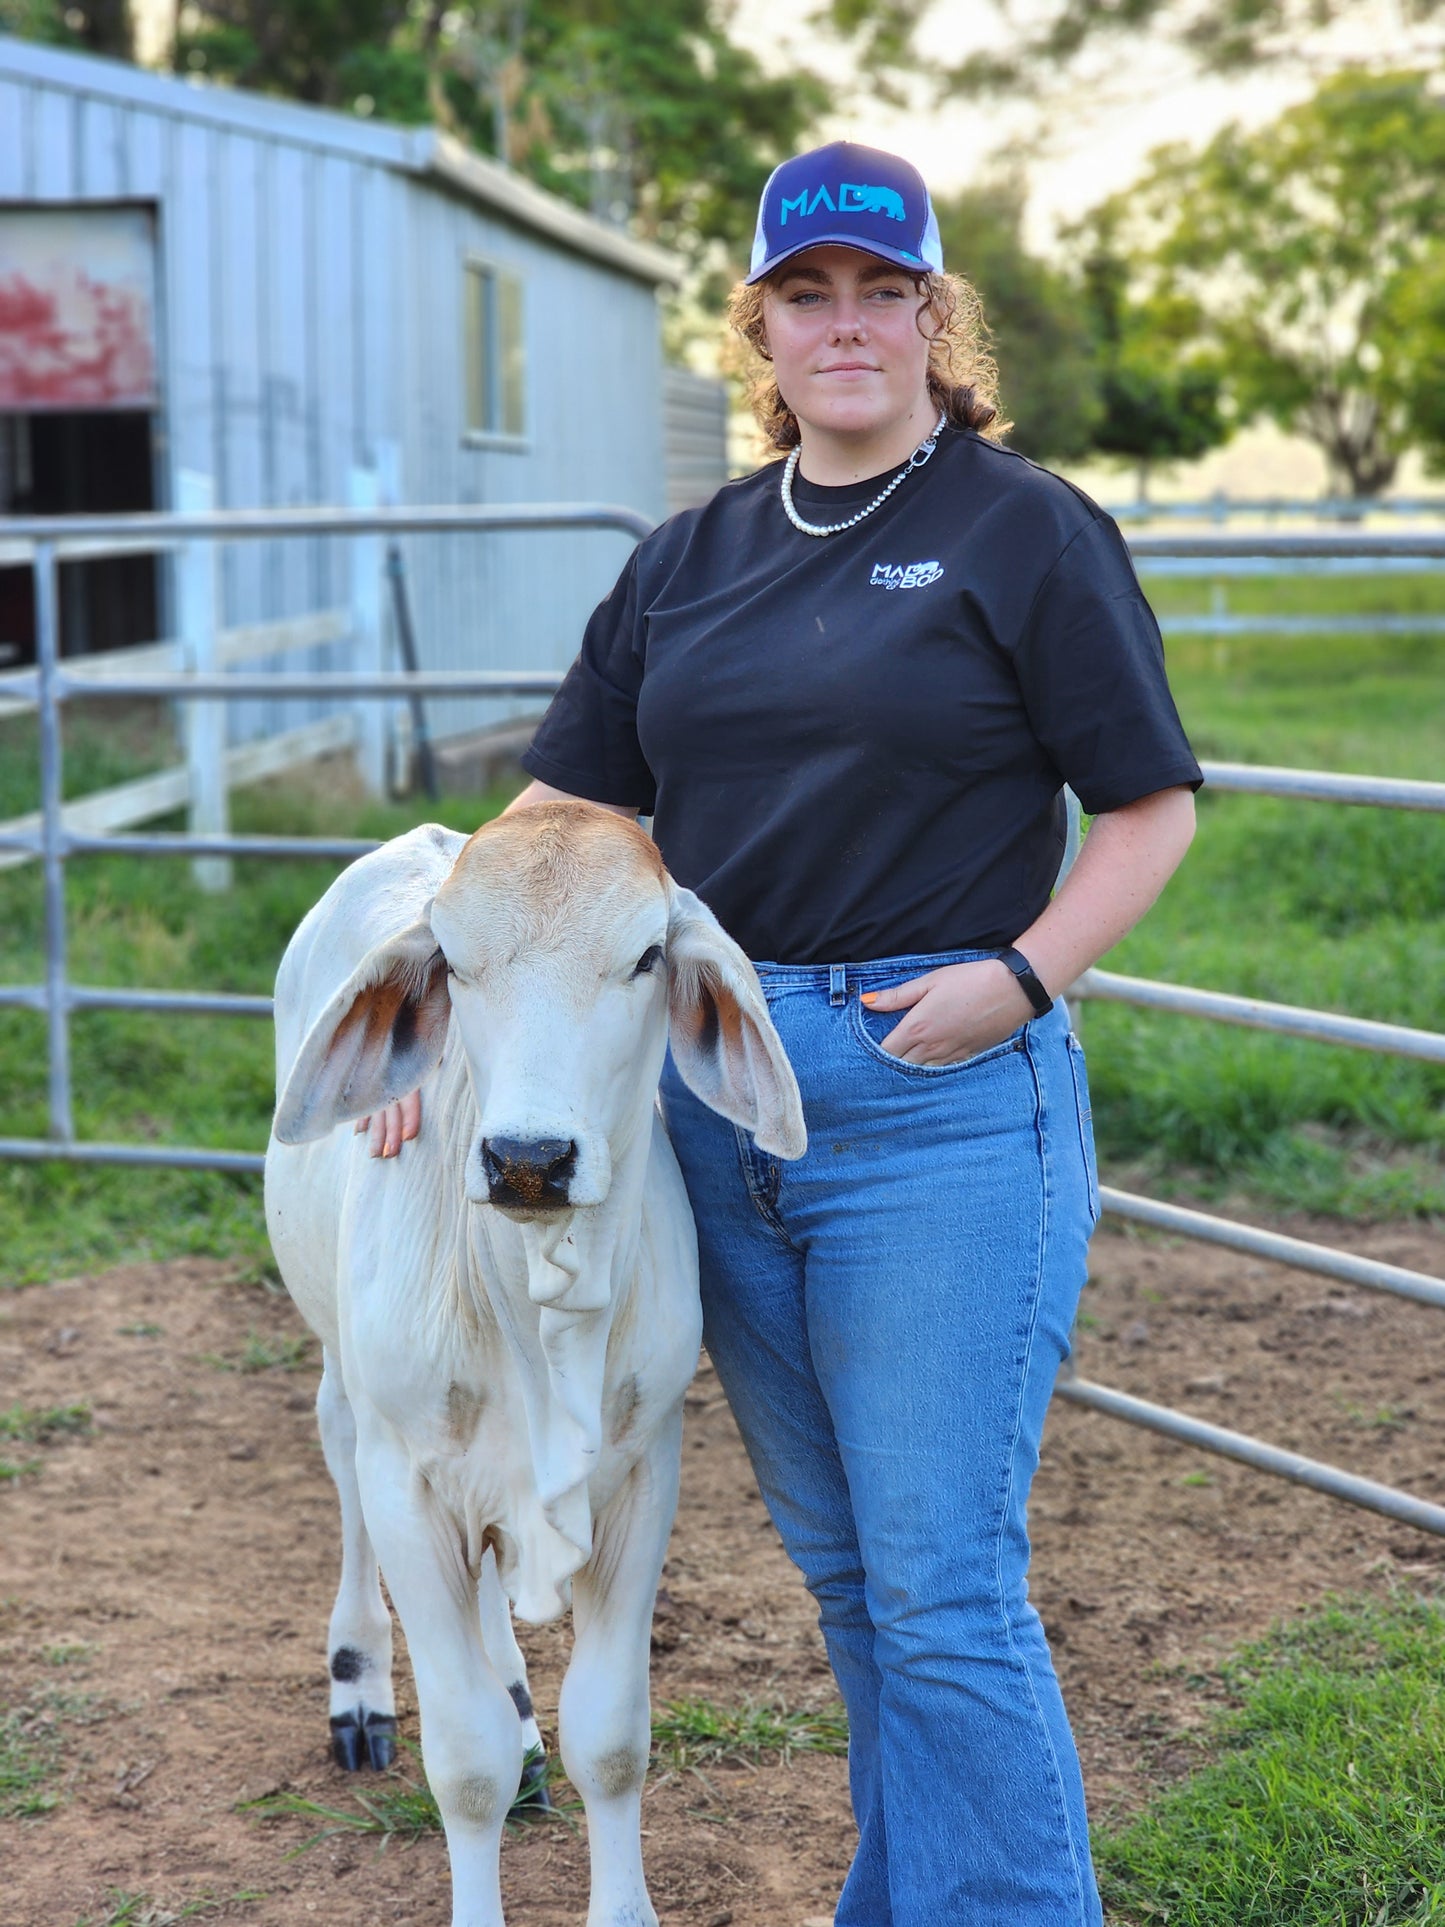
(962, 374)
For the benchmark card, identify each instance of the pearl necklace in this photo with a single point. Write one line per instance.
(920, 455)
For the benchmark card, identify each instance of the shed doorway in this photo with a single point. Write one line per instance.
(73, 464)
(79, 406)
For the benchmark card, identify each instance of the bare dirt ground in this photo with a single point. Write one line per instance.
(165, 1582)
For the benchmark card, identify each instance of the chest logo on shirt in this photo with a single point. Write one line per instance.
(904, 575)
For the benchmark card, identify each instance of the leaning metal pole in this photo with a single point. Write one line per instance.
(57, 991)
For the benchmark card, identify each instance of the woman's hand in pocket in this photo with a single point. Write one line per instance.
(953, 1012)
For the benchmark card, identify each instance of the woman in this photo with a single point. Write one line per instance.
(849, 692)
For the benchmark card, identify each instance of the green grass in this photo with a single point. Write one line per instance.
(689, 1733)
(1337, 907)
(140, 1910)
(31, 1750)
(29, 1762)
(157, 1079)
(404, 1808)
(262, 1354)
(697, 1733)
(37, 1425)
(34, 1425)
(1320, 1799)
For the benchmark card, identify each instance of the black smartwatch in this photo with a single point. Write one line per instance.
(1018, 963)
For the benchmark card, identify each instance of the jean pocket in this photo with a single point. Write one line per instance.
(1085, 1110)
(870, 1027)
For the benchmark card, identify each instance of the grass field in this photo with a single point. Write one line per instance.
(1339, 907)
(1329, 905)
(1317, 1800)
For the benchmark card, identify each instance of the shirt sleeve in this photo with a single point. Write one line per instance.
(1090, 662)
(586, 744)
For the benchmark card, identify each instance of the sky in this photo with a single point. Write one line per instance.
(1095, 139)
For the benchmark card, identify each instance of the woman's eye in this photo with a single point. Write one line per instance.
(648, 961)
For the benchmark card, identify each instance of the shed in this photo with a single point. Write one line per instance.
(202, 289)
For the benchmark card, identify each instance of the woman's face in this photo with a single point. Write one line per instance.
(843, 331)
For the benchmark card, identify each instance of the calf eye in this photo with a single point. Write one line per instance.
(648, 960)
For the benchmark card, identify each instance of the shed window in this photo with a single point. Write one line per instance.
(496, 361)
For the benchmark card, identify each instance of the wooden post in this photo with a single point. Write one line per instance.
(198, 605)
(367, 619)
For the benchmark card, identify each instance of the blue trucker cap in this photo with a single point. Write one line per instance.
(858, 197)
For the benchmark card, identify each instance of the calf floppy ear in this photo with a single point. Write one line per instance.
(378, 1038)
(723, 1041)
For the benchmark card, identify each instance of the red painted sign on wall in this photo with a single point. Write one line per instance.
(77, 309)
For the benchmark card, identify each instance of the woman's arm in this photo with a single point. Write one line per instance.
(536, 792)
(1127, 858)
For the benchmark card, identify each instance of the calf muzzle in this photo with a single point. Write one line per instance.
(529, 1174)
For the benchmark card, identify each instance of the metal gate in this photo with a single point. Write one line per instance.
(51, 684)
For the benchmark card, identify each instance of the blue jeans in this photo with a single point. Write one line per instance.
(887, 1315)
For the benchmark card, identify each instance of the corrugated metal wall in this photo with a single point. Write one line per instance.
(594, 433)
(311, 314)
(695, 428)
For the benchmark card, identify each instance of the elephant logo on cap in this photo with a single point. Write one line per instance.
(857, 198)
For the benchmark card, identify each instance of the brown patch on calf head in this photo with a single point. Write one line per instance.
(552, 876)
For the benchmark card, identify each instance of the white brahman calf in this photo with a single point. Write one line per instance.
(509, 1309)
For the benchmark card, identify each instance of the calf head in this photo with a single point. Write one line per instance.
(567, 955)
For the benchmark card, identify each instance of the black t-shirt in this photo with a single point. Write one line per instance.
(854, 746)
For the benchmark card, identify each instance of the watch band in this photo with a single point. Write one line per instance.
(1018, 963)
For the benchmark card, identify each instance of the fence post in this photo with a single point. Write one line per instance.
(367, 620)
(208, 812)
(52, 832)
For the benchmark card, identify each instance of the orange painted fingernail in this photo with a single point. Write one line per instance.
(868, 996)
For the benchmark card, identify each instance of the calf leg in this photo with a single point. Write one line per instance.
(471, 1739)
(505, 1657)
(363, 1711)
(604, 1712)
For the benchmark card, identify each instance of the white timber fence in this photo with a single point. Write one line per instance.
(213, 767)
(52, 837)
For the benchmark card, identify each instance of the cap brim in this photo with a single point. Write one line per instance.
(900, 257)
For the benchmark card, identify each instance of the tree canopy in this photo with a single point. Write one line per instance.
(646, 112)
(1046, 40)
(1306, 256)
(1040, 338)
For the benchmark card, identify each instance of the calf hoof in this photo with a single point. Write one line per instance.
(532, 1794)
(353, 1734)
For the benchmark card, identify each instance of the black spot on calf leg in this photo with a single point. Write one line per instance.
(521, 1699)
(348, 1664)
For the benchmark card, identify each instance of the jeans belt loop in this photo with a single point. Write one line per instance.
(837, 983)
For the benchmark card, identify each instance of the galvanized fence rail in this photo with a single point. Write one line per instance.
(51, 684)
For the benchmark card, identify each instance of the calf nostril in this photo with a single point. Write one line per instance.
(528, 1171)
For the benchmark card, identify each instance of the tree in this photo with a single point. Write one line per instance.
(97, 27)
(1295, 252)
(1049, 38)
(643, 111)
(1040, 339)
(1411, 345)
(1159, 392)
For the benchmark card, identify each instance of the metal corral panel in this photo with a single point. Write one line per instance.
(310, 316)
(695, 425)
